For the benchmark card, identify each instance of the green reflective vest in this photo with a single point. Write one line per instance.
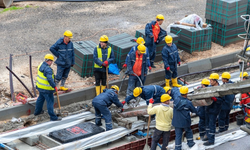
(99, 54)
(42, 81)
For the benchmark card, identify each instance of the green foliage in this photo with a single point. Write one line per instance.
(11, 9)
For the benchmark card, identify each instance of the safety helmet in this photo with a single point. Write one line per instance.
(142, 48)
(166, 88)
(115, 87)
(247, 53)
(205, 81)
(168, 39)
(140, 40)
(49, 56)
(214, 76)
(160, 17)
(165, 97)
(184, 90)
(226, 75)
(137, 91)
(245, 74)
(248, 48)
(69, 34)
(104, 38)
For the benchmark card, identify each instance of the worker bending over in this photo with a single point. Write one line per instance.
(46, 86)
(182, 119)
(103, 56)
(164, 116)
(173, 92)
(154, 35)
(102, 102)
(64, 51)
(170, 58)
(245, 97)
(226, 106)
(192, 20)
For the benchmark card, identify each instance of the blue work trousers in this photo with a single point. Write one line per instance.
(223, 120)
(62, 73)
(178, 137)
(152, 53)
(171, 74)
(202, 126)
(211, 127)
(133, 82)
(49, 97)
(102, 110)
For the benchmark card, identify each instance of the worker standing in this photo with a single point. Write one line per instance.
(173, 92)
(137, 68)
(46, 86)
(170, 58)
(154, 35)
(226, 106)
(64, 51)
(213, 111)
(164, 116)
(102, 102)
(103, 56)
(182, 120)
(245, 97)
(147, 92)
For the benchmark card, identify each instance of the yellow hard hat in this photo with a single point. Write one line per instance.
(140, 40)
(248, 48)
(168, 39)
(160, 17)
(166, 88)
(115, 87)
(214, 76)
(68, 34)
(49, 56)
(137, 91)
(184, 90)
(205, 81)
(104, 38)
(245, 74)
(165, 97)
(142, 48)
(226, 75)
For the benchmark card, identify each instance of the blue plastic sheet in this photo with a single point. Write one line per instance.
(113, 68)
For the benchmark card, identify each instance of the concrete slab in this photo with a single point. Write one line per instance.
(200, 65)
(30, 140)
(48, 141)
(183, 69)
(223, 60)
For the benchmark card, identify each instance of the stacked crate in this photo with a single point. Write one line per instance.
(224, 17)
(84, 63)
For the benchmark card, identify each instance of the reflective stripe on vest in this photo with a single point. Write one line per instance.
(42, 81)
(99, 55)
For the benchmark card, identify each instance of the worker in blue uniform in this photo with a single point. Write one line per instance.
(213, 111)
(182, 119)
(170, 57)
(226, 105)
(173, 92)
(102, 102)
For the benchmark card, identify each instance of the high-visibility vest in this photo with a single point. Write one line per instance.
(99, 54)
(42, 81)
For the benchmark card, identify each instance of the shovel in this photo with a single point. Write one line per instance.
(107, 75)
(59, 105)
(147, 147)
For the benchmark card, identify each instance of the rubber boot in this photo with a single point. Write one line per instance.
(97, 90)
(167, 82)
(62, 88)
(175, 83)
(103, 87)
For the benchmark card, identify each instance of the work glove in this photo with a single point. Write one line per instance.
(151, 101)
(150, 68)
(179, 63)
(214, 99)
(123, 102)
(56, 89)
(105, 63)
(133, 40)
(124, 66)
(168, 68)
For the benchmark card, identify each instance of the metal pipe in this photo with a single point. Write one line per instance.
(31, 77)
(11, 80)
(20, 81)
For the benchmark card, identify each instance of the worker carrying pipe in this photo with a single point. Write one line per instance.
(154, 35)
(46, 86)
(192, 20)
(170, 58)
(102, 102)
(103, 56)
(64, 51)
(245, 97)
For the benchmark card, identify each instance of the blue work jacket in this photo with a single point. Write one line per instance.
(149, 32)
(228, 102)
(133, 49)
(170, 55)
(175, 93)
(215, 107)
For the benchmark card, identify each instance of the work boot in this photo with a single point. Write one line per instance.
(153, 66)
(175, 83)
(208, 143)
(103, 87)
(167, 82)
(63, 88)
(97, 90)
(205, 139)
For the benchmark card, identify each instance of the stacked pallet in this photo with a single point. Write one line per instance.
(84, 58)
(224, 16)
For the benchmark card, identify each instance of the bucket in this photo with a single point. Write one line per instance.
(5, 3)
(240, 119)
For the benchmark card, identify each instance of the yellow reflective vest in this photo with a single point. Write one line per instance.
(99, 55)
(42, 81)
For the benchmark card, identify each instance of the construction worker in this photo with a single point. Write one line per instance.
(201, 110)
(164, 116)
(137, 68)
(170, 58)
(226, 106)
(46, 86)
(192, 20)
(173, 92)
(147, 92)
(245, 97)
(102, 102)
(212, 112)
(182, 120)
(154, 35)
(103, 56)
(64, 51)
